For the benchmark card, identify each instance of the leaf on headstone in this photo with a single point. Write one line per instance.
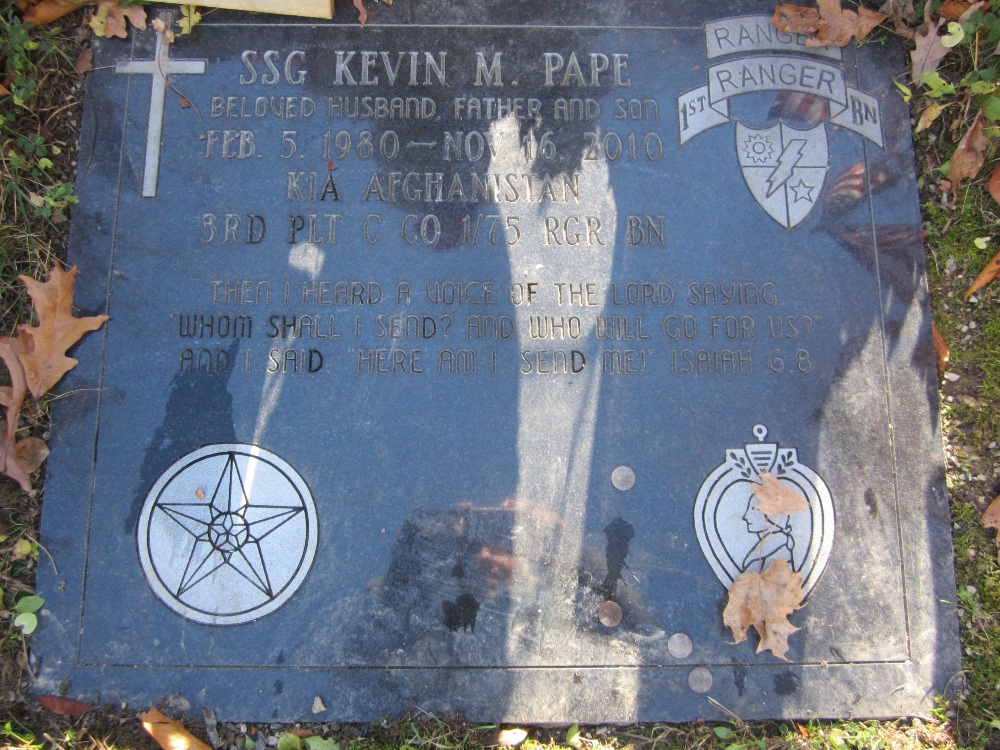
(318, 706)
(831, 24)
(776, 498)
(928, 50)
(795, 19)
(44, 356)
(970, 155)
(841, 24)
(986, 276)
(169, 733)
(765, 601)
(189, 18)
(162, 27)
(64, 706)
(941, 350)
(362, 12)
(110, 19)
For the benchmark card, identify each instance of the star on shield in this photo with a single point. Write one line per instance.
(784, 168)
(227, 534)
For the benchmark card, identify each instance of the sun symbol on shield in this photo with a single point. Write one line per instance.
(227, 534)
(736, 537)
(758, 149)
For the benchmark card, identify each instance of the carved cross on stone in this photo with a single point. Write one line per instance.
(159, 68)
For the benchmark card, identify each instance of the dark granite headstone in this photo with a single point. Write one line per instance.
(445, 354)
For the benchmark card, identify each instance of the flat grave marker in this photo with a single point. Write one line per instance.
(446, 356)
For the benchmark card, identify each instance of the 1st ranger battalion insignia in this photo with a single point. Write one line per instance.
(736, 537)
(784, 167)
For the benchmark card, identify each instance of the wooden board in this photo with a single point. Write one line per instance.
(309, 8)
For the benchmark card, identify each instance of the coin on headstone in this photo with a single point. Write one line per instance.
(623, 478)
(609, 614)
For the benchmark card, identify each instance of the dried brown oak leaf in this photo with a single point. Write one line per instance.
(765, 601)
(170, 733)
(991, 519)
(19, 459)
(941, 350)
(48, 11)
(110, 19)
(64, 706)
(929, 50)
(970, 155)
(994, 186)
(987, 275)
(44, 356)
(830, 25)
(776, 498)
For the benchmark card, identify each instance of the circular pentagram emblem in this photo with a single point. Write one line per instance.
(227, 534)
(736, 537)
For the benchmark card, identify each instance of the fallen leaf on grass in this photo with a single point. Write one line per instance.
(44, 355)
(110, 19)
(48, 11)
(831, 25)
(64, 706)
(954, 11)
(21, 458)
(970, 155)
(169, 733)
(991, 519)
(994, 186)
(315, 742)
(85, 60)
(4, 91)
(986, 276)
(776, 498)
(511, 737)
(941, 349)
(764, 601)
(928, 116)
(901, 9)
(929, 50)
(22, 549)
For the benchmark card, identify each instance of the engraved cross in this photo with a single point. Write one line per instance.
(159, 68)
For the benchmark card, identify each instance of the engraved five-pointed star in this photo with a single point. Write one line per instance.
(803, 191)
(228, 529)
